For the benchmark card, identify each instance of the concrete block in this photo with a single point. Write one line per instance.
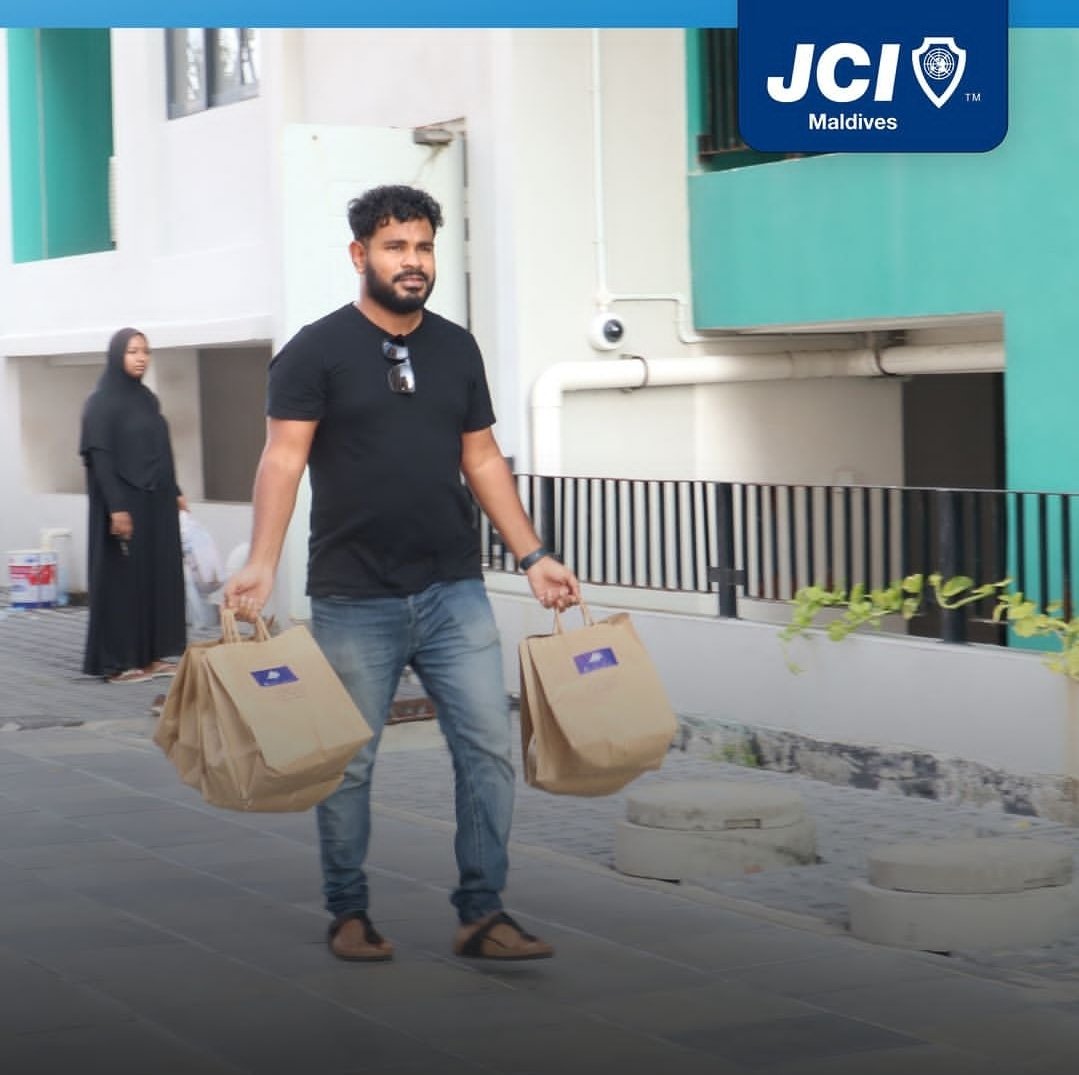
(713, 806)
(672, 855)
(935, 922)
(984, 865)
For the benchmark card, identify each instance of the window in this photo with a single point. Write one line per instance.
(720, 118)
(207, 68)
(719, 142)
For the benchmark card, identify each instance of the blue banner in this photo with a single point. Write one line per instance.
(433, 13)
(841, 76)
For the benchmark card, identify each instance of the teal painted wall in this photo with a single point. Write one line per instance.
(26, 151)
(882, 236)
(60, 87)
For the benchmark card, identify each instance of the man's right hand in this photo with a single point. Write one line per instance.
(248, 591)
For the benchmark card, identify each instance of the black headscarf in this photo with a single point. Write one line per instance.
(123, 417)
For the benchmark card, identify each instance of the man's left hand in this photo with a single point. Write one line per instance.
(553, 584)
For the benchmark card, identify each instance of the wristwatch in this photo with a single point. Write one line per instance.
(533, 558)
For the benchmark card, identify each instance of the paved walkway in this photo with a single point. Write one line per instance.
(143, 931)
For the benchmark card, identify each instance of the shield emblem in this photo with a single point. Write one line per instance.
(939, 64)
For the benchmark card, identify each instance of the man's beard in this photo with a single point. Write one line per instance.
(378, 290)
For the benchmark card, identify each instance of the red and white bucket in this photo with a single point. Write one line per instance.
(32, 577)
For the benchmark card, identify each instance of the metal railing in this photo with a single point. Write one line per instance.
(763, 542)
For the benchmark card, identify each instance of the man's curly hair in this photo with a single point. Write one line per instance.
(380, 205)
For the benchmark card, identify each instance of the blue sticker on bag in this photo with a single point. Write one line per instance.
(594, 660)
(274, 677)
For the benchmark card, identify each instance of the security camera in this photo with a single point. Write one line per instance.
(606, 331)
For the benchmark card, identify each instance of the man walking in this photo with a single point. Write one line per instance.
(388, 404)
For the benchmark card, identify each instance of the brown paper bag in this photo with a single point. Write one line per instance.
(260, 723)
(594, 714)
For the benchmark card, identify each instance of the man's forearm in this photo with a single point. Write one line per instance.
(274, 499)
(493, 486)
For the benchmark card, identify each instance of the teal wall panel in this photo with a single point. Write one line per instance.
(60, 120)
(865, 236)
(24, 129)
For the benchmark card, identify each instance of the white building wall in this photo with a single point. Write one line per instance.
(200, 229)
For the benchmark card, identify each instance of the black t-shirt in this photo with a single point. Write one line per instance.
(389, 512)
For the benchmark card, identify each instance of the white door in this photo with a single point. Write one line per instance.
(324, 167)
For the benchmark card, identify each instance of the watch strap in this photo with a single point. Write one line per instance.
(533, 558)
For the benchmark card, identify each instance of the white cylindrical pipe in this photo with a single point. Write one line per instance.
(600, 222)
(944, 358)
(637, 372)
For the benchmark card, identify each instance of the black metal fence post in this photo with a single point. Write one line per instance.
(546, 515)
(953, 622)
(725, 573)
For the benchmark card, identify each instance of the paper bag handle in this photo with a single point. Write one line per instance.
(585, 615)
(230, 631)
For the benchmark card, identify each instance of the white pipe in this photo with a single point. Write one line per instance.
(600, 236)
(683, 317)
(636, 372)
(603, 296)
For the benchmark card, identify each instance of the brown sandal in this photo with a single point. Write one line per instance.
(352, 937)
(498, 937)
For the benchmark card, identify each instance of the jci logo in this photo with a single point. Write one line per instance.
(843, 75)
(939, 64)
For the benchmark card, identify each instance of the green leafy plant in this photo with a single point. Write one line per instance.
(737, 754)
(905, 597)
(1029, 621)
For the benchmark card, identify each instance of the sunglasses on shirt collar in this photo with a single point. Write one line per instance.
(400, 375)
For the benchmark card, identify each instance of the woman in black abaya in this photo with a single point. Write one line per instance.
(135, 561)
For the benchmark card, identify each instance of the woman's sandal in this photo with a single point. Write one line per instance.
(498, 937)
(132, 675)
(162, 668)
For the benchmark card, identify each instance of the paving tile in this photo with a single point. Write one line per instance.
(447, 1065)
(287, 879)
(36, 831)
(735, 950)
(100, 801)
(586, 966)
(581, 1046)
(103, 852)
(133, 1049)
(76, 856)
(439, 1018)
(9, 807)
(37, 999)
(711, 1004)
(156, 978)
(834, 970)
(294, 1034)
(412, 980)
(158, 828)
(63, 936)
(244, 847)
(1030, 1035)
(928, 1007)
(915, 1060)
(780, 1042)
(152, 891)
(56, 908)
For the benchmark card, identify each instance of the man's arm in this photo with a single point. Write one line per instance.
(284, 456)
(489, 477)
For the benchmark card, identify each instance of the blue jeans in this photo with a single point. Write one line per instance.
(447, 634)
